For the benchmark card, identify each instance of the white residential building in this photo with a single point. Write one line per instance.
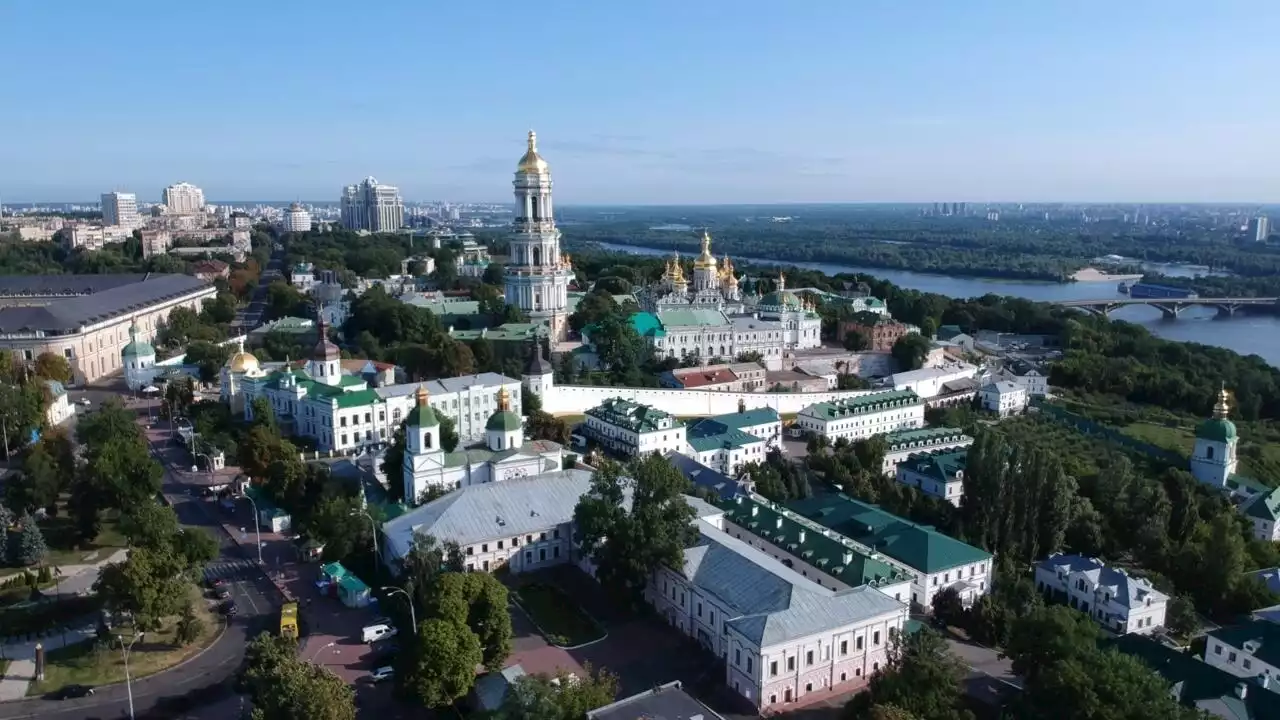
(1251, 650)
(1004, 398)
(630, 429)
(59, 409)
(1114, 599)
(863, 416)
(928, 382)
(303, 276)
(184, 199)
(372, 206)
(938, 473)
(727, 442)
(1031, 377)
(296, 219)
(120, 208)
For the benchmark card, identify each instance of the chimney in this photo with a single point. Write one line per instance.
(1242, 690)
(802, 535)
(847, 557)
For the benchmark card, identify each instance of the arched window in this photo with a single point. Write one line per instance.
(537, 255)
(1208, 453)
(426, 440)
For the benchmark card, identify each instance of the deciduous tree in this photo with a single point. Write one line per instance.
(440, 665)
(30, 548)
(564, 697)
(51, 366)
(283, 686)
(478, 601)
(922, 678)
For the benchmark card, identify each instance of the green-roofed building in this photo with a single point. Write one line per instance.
(820, 554)
(727, 442)
(937, 560)
(939, 473)
(874, 413)
(1249, 650)
(902, 444)
(632, 429)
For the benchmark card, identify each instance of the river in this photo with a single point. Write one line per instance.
(1245, 334)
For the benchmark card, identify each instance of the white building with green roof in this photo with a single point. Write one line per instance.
(1213, 460)
(903, 444)
(632, 429)
(727, 442)
(138, 358)
(863, 416)
(938, 473)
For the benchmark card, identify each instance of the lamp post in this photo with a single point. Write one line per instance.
(322, 649)
(413, 615)
(373, 526)
(128, 682)
(257, 531)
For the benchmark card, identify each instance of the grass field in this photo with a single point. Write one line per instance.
(87, 663)
(1258, 459)
(559, 617)
(59, 534)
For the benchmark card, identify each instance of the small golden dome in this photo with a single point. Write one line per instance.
(706, 259)
(1222, 408)
(242, 362)
(532, 162)
(422, 395)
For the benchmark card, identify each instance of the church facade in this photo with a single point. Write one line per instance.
(714, 287)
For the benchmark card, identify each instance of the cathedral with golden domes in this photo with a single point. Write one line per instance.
(714, 286)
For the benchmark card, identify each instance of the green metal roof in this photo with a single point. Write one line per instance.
(941, 465)
(874, 402)
(786, 298)
(633, 416)
(710, 434)
(918, 546)
(422, 416)
(924, 437)
(784, 529)
(509, 332)
(1217, 429)
(692, 318)
(1265, 507)
(750, 418)
(138, 348)
(359, 398)
(647, 324)
(504, 420)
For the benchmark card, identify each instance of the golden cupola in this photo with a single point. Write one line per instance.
(677, 270)
(532, 162)
(706, 259)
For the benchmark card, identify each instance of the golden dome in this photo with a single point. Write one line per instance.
(532, 162)
(242, 362)
(421, 396)
(706, 259)
(677, 270)
(1222, 408)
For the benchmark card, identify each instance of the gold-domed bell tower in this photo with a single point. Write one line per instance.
(705, 275)
(538, 276)
(678, 283)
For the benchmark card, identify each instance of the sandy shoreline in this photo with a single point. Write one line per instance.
(1090, 274)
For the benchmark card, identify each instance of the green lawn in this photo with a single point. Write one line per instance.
(59, 534)
(87, 663)
(1259, 455)
(561, 620)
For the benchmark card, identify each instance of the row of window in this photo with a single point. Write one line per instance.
(515, 542)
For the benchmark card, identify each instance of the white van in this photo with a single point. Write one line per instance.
(374, 633)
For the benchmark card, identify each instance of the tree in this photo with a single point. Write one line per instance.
(148, 585)
(31, 548)
(922, 678)
(189, 626)
(910, 351)
(448, 434)
(1097, 685)
(541, 697)
(948, 608)
(51, 366)
(440, 666)
(627, 547)
(39, 483)
(855, 341)
(478, 601)
(393, 464)
(264, 416)
(1182, 618)
(283, 686)
(1048, 635)
(179, 394)
(889, 712)
(258, 450)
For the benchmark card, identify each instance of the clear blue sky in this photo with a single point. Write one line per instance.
(688, 101)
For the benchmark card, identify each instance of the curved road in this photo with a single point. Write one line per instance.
(215, 666)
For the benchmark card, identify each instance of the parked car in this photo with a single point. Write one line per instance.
(69, 692)
(230, 608)
(381, 631)
(86, 402)
(383, 673)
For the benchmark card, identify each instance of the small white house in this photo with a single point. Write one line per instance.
(59, 409)
(1034, 378)
(1004, 398)
(632, 429)
(1251, 650)
(939, 473)
(1114, 599)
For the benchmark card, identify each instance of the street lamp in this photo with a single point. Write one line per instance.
(257, 531)
(373, 526)
(322, 649)
(128, 682)
(413, 615)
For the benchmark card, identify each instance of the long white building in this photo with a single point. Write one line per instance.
(1114, 599)
(630, 429)
(863, 416)
(372, 206)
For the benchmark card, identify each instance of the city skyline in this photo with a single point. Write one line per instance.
(662, 104)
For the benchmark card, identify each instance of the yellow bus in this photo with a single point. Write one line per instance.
(289, 620)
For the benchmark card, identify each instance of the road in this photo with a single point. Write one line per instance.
(158, 694)
(250, 316)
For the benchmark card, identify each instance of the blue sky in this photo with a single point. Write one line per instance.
(695, 101)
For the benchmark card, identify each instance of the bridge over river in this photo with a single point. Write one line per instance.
(1171, 307)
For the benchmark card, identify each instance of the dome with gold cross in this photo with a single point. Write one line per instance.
(675, 270)
(532, 162)
(706, 259)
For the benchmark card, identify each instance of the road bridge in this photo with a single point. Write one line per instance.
(1171, 307)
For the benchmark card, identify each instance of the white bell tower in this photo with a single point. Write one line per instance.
(538, 276)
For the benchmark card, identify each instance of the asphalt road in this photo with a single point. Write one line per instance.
(214, 667)
(250, 316)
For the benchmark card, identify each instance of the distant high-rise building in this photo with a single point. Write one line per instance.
(937, 209)
(119, 208)
(296, 219)
(373, 207)
(1261, 228)
(964, 208)
(184, 199)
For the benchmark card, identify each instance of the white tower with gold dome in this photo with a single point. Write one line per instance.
(706, 276)
(538, 276)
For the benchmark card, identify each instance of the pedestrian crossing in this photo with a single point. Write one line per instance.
(231, 570)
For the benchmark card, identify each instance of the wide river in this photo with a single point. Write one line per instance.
(1257, 334)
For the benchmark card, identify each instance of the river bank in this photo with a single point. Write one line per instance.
(1091, 274)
